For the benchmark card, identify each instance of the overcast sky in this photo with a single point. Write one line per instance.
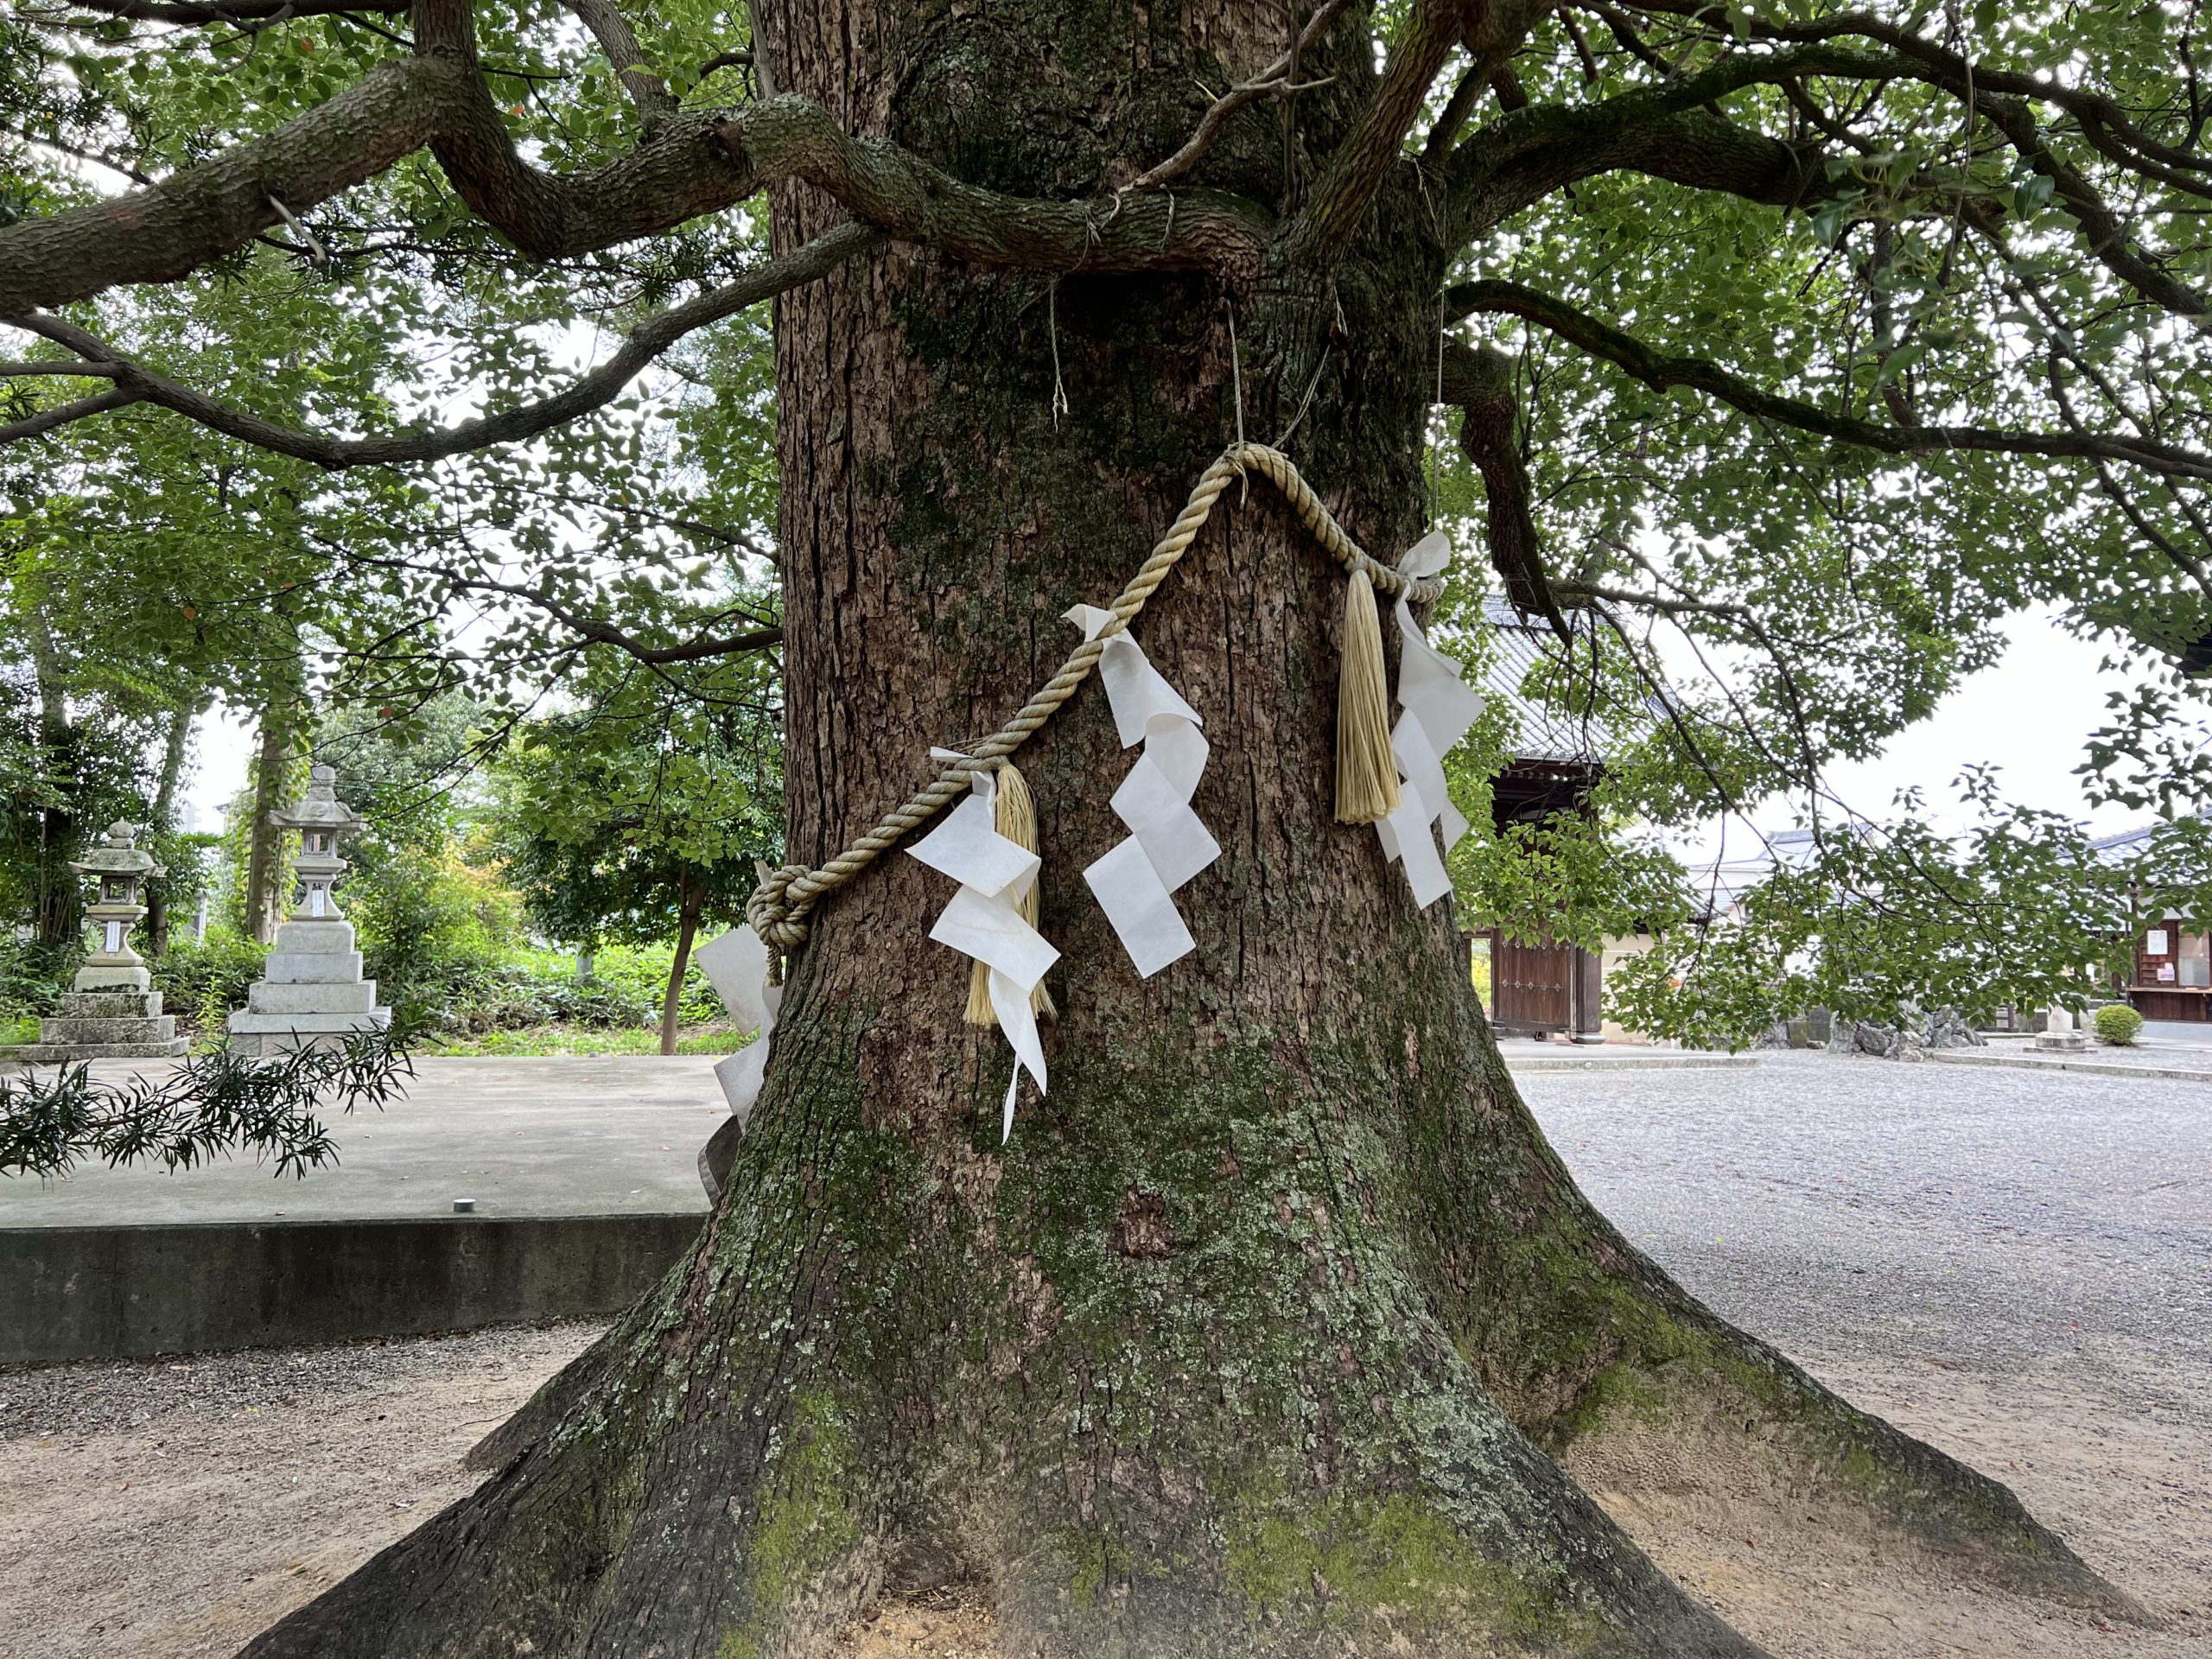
(2030, 714)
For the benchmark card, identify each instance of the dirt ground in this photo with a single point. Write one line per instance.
(164, 1509)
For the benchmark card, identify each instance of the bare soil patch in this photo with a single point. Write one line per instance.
(163, 1510)
(2120, 1467)
(158, 1508)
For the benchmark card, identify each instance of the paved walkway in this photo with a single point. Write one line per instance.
(563, 1135)
(2166, 1048)
(578, 1135)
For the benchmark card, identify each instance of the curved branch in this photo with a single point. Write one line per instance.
(1274, 81)
(601, 386)
(1348, 183)
(1938, 64)
(1673, 131)
(915, 200)
(591, 628)
(199, 214)
(1661, 370)
(62, 415)
(1480, 383)
(687, 165)
(2002, 98)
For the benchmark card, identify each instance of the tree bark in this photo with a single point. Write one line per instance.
(58, 902)
(1276, 1328)
(694, 898)
(164, 811)
(272, 772)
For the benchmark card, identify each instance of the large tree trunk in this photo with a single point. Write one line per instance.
(1270, 1330)
(265, 864)
(57, 900)
(164, 809)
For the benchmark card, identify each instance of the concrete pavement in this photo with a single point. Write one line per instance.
(576, 1135)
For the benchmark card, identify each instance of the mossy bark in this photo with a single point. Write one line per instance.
(1259, 1335)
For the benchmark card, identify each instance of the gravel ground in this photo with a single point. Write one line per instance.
(1988, 1217)
(2016, 1266)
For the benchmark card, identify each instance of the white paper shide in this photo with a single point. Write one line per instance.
(736, 965)
(982, 921)
(1135, 883)
(1437, 706)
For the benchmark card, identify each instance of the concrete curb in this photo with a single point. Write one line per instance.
(105, 1293)
(1627, 1063)
(2092, 1068)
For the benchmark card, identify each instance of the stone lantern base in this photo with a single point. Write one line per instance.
(111, 1015)
(313, 995)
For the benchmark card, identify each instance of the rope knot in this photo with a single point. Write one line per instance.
(781, 924)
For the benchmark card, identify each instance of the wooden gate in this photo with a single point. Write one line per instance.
(1540, 988)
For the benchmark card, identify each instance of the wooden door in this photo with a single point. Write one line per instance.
(1537, 988)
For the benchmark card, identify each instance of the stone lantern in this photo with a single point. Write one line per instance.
(312, 994)
(121, 868)
(321, 819)
(111, 1012)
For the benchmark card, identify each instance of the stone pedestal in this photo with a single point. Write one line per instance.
(106, 1022)
(2059, 1035)
(313, 996)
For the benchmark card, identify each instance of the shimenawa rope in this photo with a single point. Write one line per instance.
(780, 905)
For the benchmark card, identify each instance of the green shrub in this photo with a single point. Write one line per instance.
(34, 976)
(202, 982)
(2118, 1024)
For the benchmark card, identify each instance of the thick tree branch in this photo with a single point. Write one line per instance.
(1480, 384)
(51, 366)
(915, 200)
(60, 415)
(1661, 370)
(1672, 131)
(170, 230)
(689, 166)
(1342, 194)
(648, 342)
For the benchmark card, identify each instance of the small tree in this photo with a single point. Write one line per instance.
(641, 814)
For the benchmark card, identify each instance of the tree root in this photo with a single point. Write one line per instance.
(1640, 1390)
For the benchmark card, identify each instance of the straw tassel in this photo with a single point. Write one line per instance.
(1367, 776)
(1014, 816)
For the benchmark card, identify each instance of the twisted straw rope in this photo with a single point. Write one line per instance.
(780, 905)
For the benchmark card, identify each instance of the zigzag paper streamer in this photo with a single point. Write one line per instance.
(1168, 843)
(1438, 707)
(736, 965)
(983, 921)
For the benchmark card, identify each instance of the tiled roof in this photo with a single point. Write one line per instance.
(1543, 734)
(2123, 846)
